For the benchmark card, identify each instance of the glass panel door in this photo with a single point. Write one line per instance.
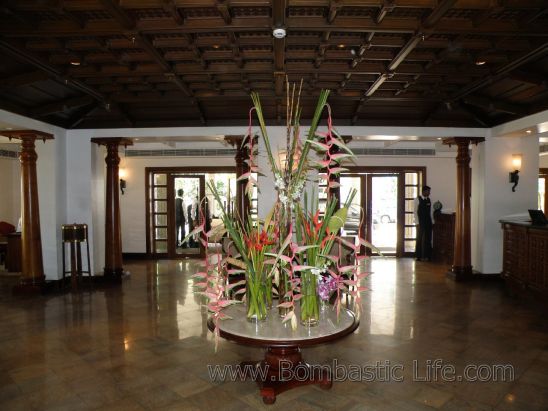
(411, 188)
(352, 227)
(188, 193)
(384, 212)
(158, 215)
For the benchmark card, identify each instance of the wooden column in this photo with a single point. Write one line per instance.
(32, 267)
(462, 263)
(113, 234)
(243, 205)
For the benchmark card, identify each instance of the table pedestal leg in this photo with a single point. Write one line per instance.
(284, 369)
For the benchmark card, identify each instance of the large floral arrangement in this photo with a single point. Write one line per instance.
(296, 251)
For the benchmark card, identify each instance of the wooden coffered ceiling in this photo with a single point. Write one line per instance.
(146, 63)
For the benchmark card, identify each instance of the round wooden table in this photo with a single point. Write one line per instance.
(283, 366)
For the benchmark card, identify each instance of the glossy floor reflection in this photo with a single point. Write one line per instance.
(145, 345)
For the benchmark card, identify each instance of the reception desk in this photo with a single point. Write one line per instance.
(525, 258)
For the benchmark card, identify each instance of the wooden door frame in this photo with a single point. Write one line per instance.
(171, 170)
(369, 171)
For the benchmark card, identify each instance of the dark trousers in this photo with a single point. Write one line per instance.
(423, 248)
(180, 229)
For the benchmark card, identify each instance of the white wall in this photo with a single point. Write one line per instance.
(50, 169)
(543, 161)
(494, 159)
(10, 182)
(85, 200)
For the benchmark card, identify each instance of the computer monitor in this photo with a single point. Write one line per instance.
(538, 217)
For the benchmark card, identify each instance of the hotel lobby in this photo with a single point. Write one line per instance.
(126, 126)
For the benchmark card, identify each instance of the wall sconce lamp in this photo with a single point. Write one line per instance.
(122, 175)
(514, 175)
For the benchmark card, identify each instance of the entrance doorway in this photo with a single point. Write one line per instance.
(178, 200)
(189, 191)
(382, 210)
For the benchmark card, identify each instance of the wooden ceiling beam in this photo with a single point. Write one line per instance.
(7, 7)
(80, 115)
(8, 105)
(170, 7)
(145, 43)
(222, 7)
(62, 10)
(404, 52)
(478, 117)
(342, 24)
(128, 23)
(529, 77)
(334, 6)
(501, 72)
(60, 106)
(439, 11)
(53, 72)
(119, 14)
(494, 106)
(278, 20)
(24, 79)
(388, 6)
(428, 22)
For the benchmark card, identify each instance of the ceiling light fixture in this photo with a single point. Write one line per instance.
(480, 62)
(341, 46)
(216, 46)
(528, 131)
(75, 62)
(279, 33)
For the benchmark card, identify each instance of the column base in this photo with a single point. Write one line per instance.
(113, 275)
(459, 273)
(30, 286)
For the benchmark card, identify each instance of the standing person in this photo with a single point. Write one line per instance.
(191, 221)
(180, 219)
(207, 215)
(424, 221)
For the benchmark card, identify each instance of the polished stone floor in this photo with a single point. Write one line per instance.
(145, 345)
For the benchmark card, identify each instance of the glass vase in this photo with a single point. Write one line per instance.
(256, 299)
(268, 292)
(310, 300)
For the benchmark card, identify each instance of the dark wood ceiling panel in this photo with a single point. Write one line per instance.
(194, 62)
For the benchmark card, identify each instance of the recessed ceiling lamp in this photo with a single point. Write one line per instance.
(279, 33)
(341, 46)
(480, 62)
(216, 46)
(528, 131)
(75, 62)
